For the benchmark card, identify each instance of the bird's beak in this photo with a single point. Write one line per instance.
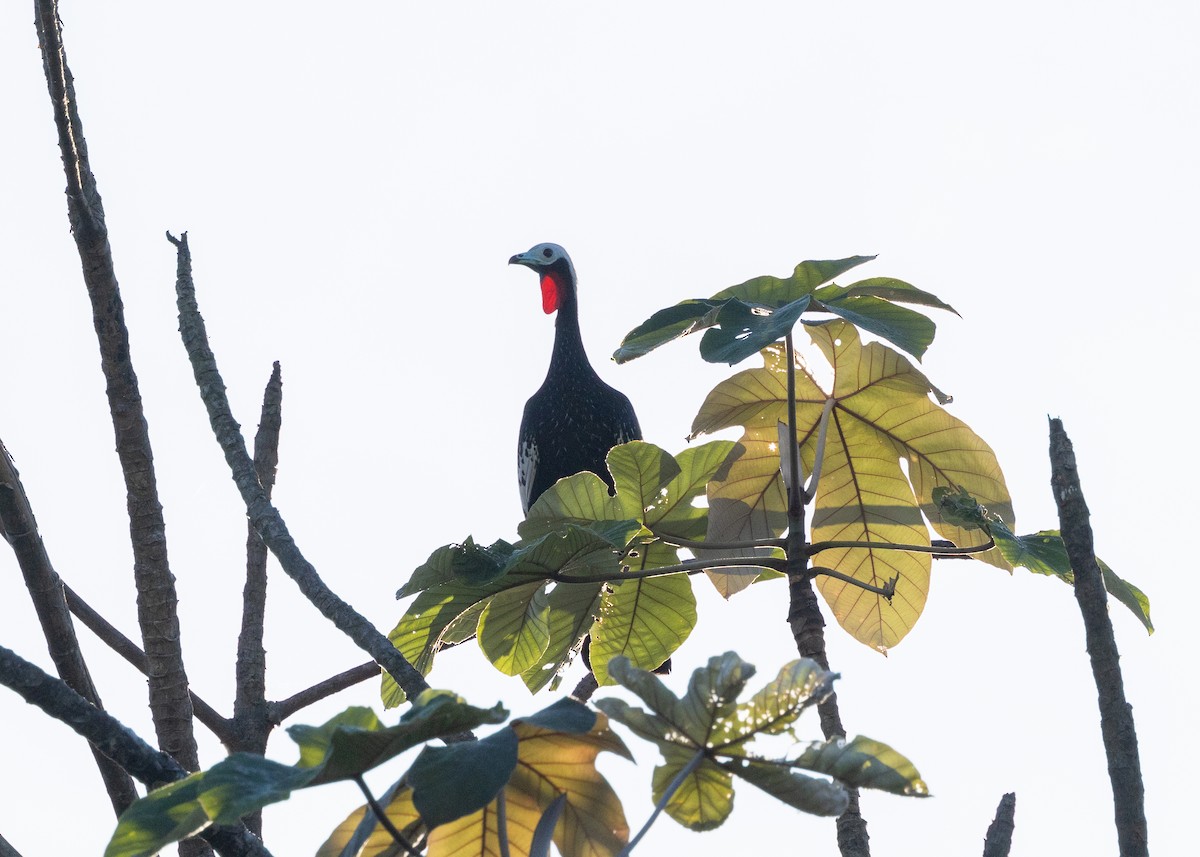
(521, 259)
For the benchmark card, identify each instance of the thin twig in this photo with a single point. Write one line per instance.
(265, 517)
(282, 710)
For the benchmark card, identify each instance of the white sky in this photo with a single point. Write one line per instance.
(353, 179)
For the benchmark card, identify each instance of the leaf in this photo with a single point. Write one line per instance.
(807, 276)
(1044, 553)
(345, 747)
(666, 325)
(572, 611)
(459, 779)
(882, 416)
(864, 763)
(742, 319)
(361, 835)
(745, 330)
(704, 739)
(466, 563)
(703, 799)
(644, 620)
(887, 288)
(908, 330)
(353, 750)
(555, 758)
(514, 628)
(814, 796)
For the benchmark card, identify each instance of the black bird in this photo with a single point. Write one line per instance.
(574, 418)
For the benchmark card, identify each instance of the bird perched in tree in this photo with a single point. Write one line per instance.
(574, 418)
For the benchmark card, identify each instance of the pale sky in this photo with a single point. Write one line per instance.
(353, 180)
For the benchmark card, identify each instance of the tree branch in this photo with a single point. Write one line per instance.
(263, 516)
(170, 705)
(19, 527)
(113, 739)
(998, 841)
(808, 625)
(282, 710)
(1116, 715)
(251, 720)
(126, 648)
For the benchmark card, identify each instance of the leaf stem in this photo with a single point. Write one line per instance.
(381, 817)
(811, 490)
(817, 547)
(680, 542)
(691, 566)
(691, 766)
(502, 823)
(887, 590)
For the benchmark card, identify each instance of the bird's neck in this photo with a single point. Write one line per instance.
(568, 356)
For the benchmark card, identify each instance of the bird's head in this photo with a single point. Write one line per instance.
(555, 271)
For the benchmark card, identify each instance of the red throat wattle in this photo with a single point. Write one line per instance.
(549, 294)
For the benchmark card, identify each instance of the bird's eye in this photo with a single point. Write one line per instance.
(547, 252)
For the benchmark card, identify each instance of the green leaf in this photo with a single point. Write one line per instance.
(348, 745)
(908, 330)
(565, 715)
(353, 750)
(514, 628)
(864, 763)
(456, 780)
(744, 330)
(703, 799)
(644, 620)
(573, 607)
(807, 276)
(466, 563)
(818, 797)
(1044, 553)
(887, 288)
(775, 708)
(888, 446)
(666, 325)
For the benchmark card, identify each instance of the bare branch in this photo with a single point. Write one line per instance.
(282, 710)
(1116, 715)
(113, 739)
(251, 723)
(170, 705)
(998, 841)
(126, 648)
(19, 527)
(263, 516)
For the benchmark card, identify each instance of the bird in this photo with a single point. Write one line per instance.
(574, 418)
